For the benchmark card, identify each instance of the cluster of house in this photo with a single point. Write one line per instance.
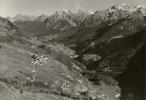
(38, 60)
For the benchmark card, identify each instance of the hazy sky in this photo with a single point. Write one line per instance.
(37, 7)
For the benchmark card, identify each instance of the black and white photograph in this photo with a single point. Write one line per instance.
(72, 49)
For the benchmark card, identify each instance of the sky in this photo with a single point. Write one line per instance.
(38, 7)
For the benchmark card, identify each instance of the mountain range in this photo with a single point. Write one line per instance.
(74, 55)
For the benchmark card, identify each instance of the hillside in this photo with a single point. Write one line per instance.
(28, 72)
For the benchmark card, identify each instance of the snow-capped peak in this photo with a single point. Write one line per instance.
(91, 12)
(142, 8)
(124, 6)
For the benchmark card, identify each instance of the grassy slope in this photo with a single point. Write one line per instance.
(16, 69)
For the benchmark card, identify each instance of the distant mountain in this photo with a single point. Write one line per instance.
(62, 21)
(21, 17)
